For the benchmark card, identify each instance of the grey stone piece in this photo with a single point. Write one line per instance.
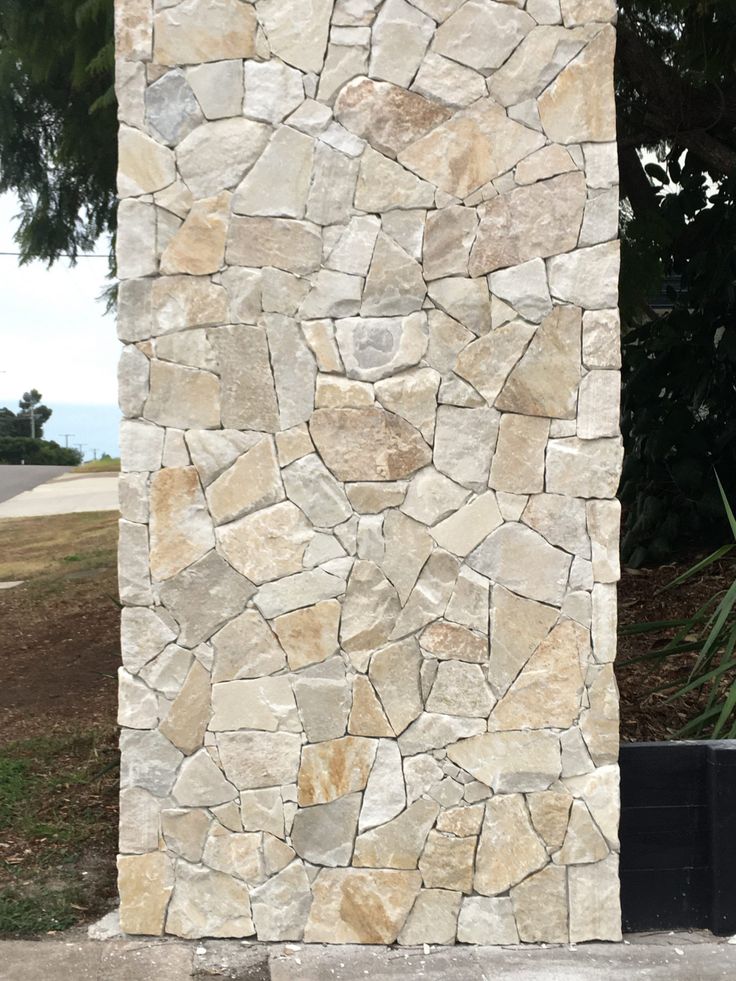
(172, 110)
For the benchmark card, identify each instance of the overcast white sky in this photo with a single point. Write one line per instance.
(53, 331)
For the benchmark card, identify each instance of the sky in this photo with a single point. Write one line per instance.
(56, 337)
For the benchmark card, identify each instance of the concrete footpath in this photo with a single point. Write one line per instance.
(69, 494)
(655, 957)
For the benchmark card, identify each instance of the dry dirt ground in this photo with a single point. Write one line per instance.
(59, 653)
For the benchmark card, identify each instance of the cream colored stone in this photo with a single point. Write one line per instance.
(198, 247)
(407, 547)
(550, 813)
(399, 843)
(333, 186)
(367, 717)
(577, 12)
(208, 904)
(395, 285)
(387, 116)
(297, 34)
(412, 395)
(313, 489)
(383, 185)
(251, 483)
(281, 905)
(268, 544)
(343, 63)
(266, 704)
(432, 496)
(303, 589)
(332, 294)
(137, 704)
(445, 81)
(481, 36)
(235, 854)
(448, 237)
(360, 906)
(448, 863)
(540, 907)
(216, 155)
(536, 62)
(604, 520)
(259, 759)
(464, 822)
(525, 289)
(144, 166)
(385, 795)
(509, 849)
(181, 528)
(487, 921)
(466, 300)
(518, 558)
(449, 641)
(294, 246)
(561, 520)
(309, 635)
(320, 336)
(334, 768)
(184, 398)
(354, 249)
(293, 445)
(433, 919)
(145, 883)
(583, 842)
(185, 832)
(278, 183)
(467, 528)
(595, 912)
(246, 648)
(545, 163)
(186, 721)
(510, 762)
(367, 444)
(488, 361)
(401, 34)
(376, 347)
(548, 691)
(201, 783)
(430, 596)
(218, 87)
(395, 674)
(529, 222)
(196, 31)
(584, 468)
(601, 339)
(183, 302)
(599, 405)
(272, 90)
(578, 106)
(432, 731)
(600, 723)
(460, 689)
(518, 463)
(262, 810)
(463, 444)
(472, 148)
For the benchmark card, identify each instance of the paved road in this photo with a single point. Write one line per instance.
(69, 493)
(15, 480)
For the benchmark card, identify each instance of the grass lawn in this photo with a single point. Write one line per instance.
(59, 650)
(99, 466)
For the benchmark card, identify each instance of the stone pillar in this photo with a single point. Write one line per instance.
(369, 537)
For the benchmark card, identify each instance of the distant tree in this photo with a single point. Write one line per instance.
(38, 452)
(33, 415)
(58, 122)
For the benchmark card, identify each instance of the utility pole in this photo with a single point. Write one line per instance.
(94, 454)
(67, 437)
(33, 421)
(80, 447)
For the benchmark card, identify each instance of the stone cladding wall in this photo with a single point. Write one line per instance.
(369, 537)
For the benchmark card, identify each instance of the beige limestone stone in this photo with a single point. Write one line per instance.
(196, 31)
(599, 405)
(577, 106)
(278, 183)
(145, 883)
(293, 444)
(463, 822)
(432, 497)
(185, 832)
(586, 277)
(599, 788)
(561, 520)
(463, 444)
(583, 11)
(184, 398)
(367, 717)
(297, 34)
(370, 609)
(394, 673)
(360, 906)
(281, 905)
(525, 289)
(540, 907)
(134, 573)
(144, 166)
(594, 901)
(583, 842)
(464, 530)
(246, 648)
(601, 339)
(604, 622)
(466, 300)
(518, 558)
(335, 392)
(408, 545)
(186, 721)
(367, 444)
(540, 57)
(218, 88)
(450, 641)
(323, 699)
(181, 528)
(200, 783)
(548, 162)
(401, 34)
(433, 919)
(137, 704)
(136, 241)
(204, 597)
(198, 247)
(189, 347)
(266, 704)
(208, 904)
(216, 155)
(544, 382)
(272, 90)
(144, 634)
(251, 483)
(268, 544)
(320, 336)
(550, 813)
(448, 237)
(460, 689)
(376, 347)
(482, 36)
(313, 488)
(430, 596)
(353, 251)
(604, 520)
(385, 794)
(518, 463)
(433, 731)
(259, 759)
(472, 148)
(548, 691)
(529, 222)
(235, 854)
(183, 302)
(399, 843)
(448, 863)
(262, 810)
(333, 186)
(600, 723)
(334, 769)
(309, 636)
(510, 762)
(387, 116)
(294, 246)
(383, 185)
(148, 762)
(343, 63)
(488, 361)
(446, 81)
(412, 395)
(324, 834)
(485, 920)
(509, 849)
(584, 468)
(395, 285)
(133, 30)
(332, 294)
(303, 589)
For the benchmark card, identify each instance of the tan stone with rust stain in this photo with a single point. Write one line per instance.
(145, 883)
(398, 843)
(181, 528)
(186, 722)
(450, 640)
(197, 31)
(252, 482)
(368, 444)
(198, 248)
(550, 813)
(448, 862)
(367, 717)
(360, 906)
(268, 544)
(334, 768)
(509, 848)
(309, 635)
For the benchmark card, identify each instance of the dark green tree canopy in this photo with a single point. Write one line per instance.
(58, 122)
(19, 423)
